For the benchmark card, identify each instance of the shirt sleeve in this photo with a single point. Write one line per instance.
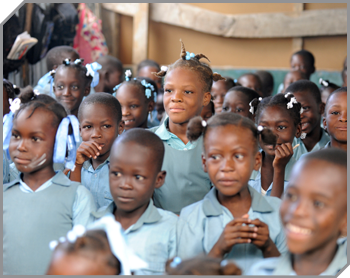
(172, 243)
(83, 206)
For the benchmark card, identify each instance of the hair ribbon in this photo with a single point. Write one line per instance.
(47, 78)
(92, 70)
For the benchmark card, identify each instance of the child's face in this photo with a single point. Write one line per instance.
(99, 124)
(281, 124)
(207, 112)
(75, 264)
(311, 116)
(218, 91)
(290, 78)
(32, 142)
(236, 102)
(70, 88)
(313, 209)
(133, 176)
(298, 62)
(251, 81)
(134, 106)
(335, 121)
(147, 72)
(183, 95)
(229, 158)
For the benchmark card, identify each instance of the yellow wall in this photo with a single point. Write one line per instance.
(164, 45)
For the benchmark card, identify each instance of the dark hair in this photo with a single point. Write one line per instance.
(105, 99)
(91, 244)
(195, 127)
(78, 65)
(32, 101)
(254, 75)
(305, 86)
(325, 84)
(12, 90)
(229, 82)
(250, 94)
(137, 81)
(335, 156)
(146, 139)
(280, 100)
(307, 55)
(212, 107)
(267, 82)
(205, 73)
(56, 54)
(345, 69)
(302, 74)
(340, 90)
(203, 265)
(147, 63)
(110, 63)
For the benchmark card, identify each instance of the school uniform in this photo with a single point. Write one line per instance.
(328, 145)
(185, 181)
(152, 237)
(97, 182)
(283, 265)
(5, 169)
(201, 224)
(319, 145)
(255, 182)
(31, 220)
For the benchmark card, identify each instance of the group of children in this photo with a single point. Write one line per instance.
(198, 174)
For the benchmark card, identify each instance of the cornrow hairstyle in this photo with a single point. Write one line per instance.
(280, 100)
(250, 94)
(196, 128)
(93, 244)
(56, 54)
(305, 86)
(12, 90)
(192, 63)
(337, 91)
(29, 100)
(307, 55)
(105, 99)
(325, 84)
(78, 65)
(147, 63)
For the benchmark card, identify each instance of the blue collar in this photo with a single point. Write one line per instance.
(163, 132)
(87, 164)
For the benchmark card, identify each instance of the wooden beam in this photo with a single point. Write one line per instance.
(111, 30)
(298, 42)
(264, 25)
(140, 34)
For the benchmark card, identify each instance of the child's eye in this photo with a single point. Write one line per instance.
(140, 178)
(239, 156)
(225, 109)
(291, 197)
(36, 139)
(86, 126)
(281, 127)
(318, 204)
(117, 174)
(15, 136)
(215, 156)
(214, 97)
(306, 108)
(75, 87)
(239, 110)
(59, 87)
(168, 90)
(188, 92)
(107, 126)
(335, 113)
(133, 106)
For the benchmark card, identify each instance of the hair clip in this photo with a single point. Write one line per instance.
(301, 110)
(290, 103)
(117, 87)
(260, 128)
(176, 261)
(128, 74)
(66, 62)
(189, 55)
(164, 68)
(260, 98)
(14, 86)
(36, 92)
(204, 123)
(303, 135)
(78, 61)
(72, 235)
(251, 109)
(148, 87)
(323, 82)
(92, 70)
(235, 80)
(15, 105)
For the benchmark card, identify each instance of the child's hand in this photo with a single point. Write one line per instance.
(283, 154)
(263, 240)
(234, 233)
(87, 150)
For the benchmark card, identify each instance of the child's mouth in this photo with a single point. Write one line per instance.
(128, 122)
(297, 230)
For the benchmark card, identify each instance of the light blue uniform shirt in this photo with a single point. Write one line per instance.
(152, 237)
(319, 145)
(5, 169)
(97, 182)
(283, 265)
(201, 224)
(255, 182)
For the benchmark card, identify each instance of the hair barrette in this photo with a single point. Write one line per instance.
(189, 55)
(149, 88)
(92, 70)
(290, 103)
(164, 68)
(117, 87)
(204, 123)
(15, 105)
(260, 128)
(323, 82)
(260, 98)
(66, 62)
(128, 74)
(251, 109)
(78, 61)
(301, 110)
(303, 135)
(72, 235)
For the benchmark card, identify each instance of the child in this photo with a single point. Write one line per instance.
(146, 69)
(136, 97)
(292, 77)
(54, 58)
(326, 89)
(335, 119)
(313, 213)
(202, 265)
(135, 171)
(233, 219)
(208, 111)
(72, 82)
(252, 81)
(219, 90)
(237, 100)
(281, 114)
(110, 75)
(313, 135)
(267, 82)
(100, 123)
(303, 61)
(101, 250)
(186, 91)
(40, 204)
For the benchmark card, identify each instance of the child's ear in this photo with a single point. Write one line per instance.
(324, 124)
(87, 91)
(321, 108)
(160, 179)
(258, 161)
(121, 127)
(204, 160)
(150, 106)
(344, 225)
(206, 98)
(298, 131)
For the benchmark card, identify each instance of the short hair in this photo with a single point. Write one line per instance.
(267, 81)
(340, 90)
(105, 99)
(147, 63)
(307, 55)
(110, 63)
(305, 86)
(204, 72)
(146, 139)
(229, 82)
(57, 54)
(334, 156)
(250, 94)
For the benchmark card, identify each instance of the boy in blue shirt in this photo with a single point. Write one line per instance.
(134, 172)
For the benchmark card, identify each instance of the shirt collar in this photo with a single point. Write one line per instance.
(212, 207)
(162, 131)
(87, 164)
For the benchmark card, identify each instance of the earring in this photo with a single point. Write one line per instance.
(303, 135)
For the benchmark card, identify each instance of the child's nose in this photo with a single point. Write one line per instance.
(96, 133)
(300, 208)
(227, 165)
(344, 116)
(177, 96)
(125, 184)
(125, 111)
(22, 146)
(66, 91)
